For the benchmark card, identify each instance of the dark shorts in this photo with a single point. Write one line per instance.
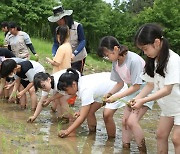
(79, 65)
(10, 79)
(24, 83)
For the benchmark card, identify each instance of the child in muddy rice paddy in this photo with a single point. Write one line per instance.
(48, 84)
(62, 59)
(126, 68)
(23, 73)
(90, 89)
(6, 84)
(162, 73)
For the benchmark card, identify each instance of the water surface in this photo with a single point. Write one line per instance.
(40, 137)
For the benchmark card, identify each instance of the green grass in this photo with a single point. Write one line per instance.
(43, 48)
(93, 63)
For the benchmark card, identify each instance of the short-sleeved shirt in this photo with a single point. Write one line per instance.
(63, 56)
(170, 104)
(29, 69)
(56, 79)
(18, 44)
(130, 71)
(93, 86)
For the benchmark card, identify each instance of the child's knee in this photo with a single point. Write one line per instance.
(32, 91)
(124, 122)
(107, 116)
(176, 139)
(130, 123)
(160, 135)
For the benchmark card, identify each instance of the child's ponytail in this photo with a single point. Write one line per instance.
(67, 78)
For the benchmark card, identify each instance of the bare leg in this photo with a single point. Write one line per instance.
(126, 132)
(33, 98)
(54, 105)
(109, 122)
(176, 138)
(6, 91)
(91, 118)
(22, 100)
(10, 91)
(133, 124)
(164, 128)
(63, 107)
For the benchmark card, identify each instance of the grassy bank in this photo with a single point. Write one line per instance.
(43, 49)
(93, 63)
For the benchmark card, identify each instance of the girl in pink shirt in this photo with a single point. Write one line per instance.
(127, 67)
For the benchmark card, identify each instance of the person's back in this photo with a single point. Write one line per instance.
(62, 59)
(63, 55)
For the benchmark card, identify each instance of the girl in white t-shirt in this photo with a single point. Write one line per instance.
(126, 68)
(90, 89)
(48, 84)
(162, 73)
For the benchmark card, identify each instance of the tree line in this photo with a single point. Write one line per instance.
(98, 18)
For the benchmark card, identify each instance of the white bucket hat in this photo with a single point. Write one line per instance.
(59, 13)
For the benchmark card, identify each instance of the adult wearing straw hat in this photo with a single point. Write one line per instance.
(77, 38)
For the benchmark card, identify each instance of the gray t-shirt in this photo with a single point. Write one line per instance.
(130, 71)
(18, 44)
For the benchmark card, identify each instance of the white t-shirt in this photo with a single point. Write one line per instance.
(56, 79)
(94, 86)
(170, 104)
(28, 69)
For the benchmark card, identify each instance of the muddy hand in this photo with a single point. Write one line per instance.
(45, 103)
(132, 102)
(20, 94)
(76, 115)
(7, 87)
(111, 99)
(12, 99)
(63, 133)
(105, 97)
(31, 119)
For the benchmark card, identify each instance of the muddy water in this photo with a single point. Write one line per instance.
(40, 137)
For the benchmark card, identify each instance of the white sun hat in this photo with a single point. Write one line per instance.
(59, 13)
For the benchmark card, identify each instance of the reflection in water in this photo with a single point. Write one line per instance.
(41, 136)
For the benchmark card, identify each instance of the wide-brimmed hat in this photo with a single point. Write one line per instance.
(59, 13)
